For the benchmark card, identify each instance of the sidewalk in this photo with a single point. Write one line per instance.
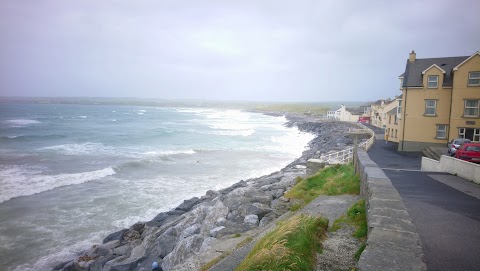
(444, 208)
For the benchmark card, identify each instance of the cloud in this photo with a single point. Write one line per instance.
(252, 50)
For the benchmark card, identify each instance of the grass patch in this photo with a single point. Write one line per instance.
(334, 180)
(292, 245)
(356, 216)
(296, 206)
(359, 251)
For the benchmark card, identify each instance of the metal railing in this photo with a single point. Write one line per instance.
(345, 156)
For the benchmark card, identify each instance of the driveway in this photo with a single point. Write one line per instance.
(444, 208)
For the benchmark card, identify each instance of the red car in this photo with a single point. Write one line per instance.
(469, 152)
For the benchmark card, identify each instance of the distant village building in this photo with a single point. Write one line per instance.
(334, 113)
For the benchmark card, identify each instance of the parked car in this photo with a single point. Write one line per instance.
(469, 152)
(453, 146)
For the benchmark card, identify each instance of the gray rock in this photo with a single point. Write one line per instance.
(123, 250)
(264, 221)
(115, 236)
(98, 264)
(189, 231)
(101, 250)
(164, 218)
(187, 205)
(258, 196)
(214, 232)
(165, 243)
(251, 219)
(214, 213)
(185, 249)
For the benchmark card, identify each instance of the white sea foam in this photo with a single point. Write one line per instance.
(235, 133)
(83, 117)
(160, 153)
(81, 149)
(21, 122)
(293, 142)
(20, 181)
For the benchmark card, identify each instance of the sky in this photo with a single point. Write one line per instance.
(259, 50)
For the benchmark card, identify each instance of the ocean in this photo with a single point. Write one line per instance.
(70, 174)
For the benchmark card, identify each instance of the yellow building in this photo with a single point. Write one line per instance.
(440, 101)
(391, 122)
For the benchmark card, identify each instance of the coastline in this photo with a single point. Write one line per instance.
(177, 237)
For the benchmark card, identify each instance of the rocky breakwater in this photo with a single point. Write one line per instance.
(179, 239)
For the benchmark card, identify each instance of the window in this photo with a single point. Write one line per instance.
(395, 133)
(471, 108)
(441, 131)
(430, 107)
(395, 119)
(474, 79)
(399, 107)
(432, 81)
(461, 132)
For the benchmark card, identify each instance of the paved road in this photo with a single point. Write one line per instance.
(444, 208)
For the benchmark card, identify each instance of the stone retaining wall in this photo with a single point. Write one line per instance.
(393, 242)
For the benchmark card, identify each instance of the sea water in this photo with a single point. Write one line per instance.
(71, 174)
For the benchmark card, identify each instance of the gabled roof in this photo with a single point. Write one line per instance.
(379, 102)
(392, 112)
(456, 67)
(355, 111)
(413, 70)
(434, 65)
(401, 75)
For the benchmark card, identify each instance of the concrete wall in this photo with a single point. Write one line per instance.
(464, 169)
(393, 242)
(417, 146)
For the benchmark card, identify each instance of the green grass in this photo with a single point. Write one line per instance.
(357, 216)
(359, 251)
(334, 180)
(292, 245)
(317, 109)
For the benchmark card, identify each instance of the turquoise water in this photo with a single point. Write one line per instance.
(70, 174)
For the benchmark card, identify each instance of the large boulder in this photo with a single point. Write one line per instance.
(251, 219)
(214, 213)
(185, 249)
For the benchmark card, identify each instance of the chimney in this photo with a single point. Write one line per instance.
(412, 56)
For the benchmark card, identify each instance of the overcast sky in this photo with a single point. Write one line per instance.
(225, 50)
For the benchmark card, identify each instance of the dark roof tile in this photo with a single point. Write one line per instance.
(413, 71)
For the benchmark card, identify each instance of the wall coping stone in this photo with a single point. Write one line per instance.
(392, 241)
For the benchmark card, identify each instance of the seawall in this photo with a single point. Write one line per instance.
(393, 242)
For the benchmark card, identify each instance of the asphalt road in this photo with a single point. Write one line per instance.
(447, 218)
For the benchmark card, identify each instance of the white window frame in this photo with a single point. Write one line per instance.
(432, 81)
(428, 107)
(461, 132)
(473, 79)
(475, 108)
(399, 107)
(444, 131)
(476, 135)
